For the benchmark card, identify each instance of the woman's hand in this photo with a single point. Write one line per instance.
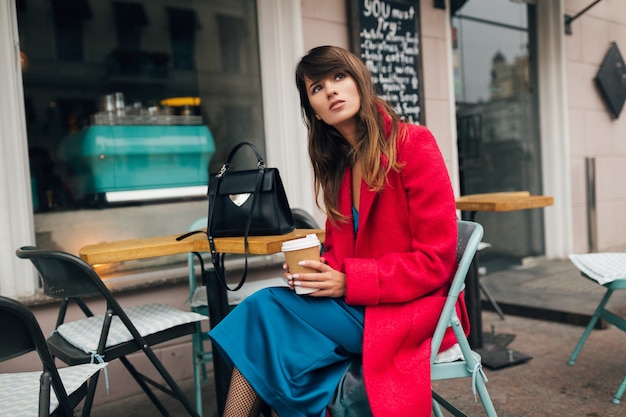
(330, 282)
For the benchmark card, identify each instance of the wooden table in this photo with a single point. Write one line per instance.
(493, 202)
(505, 201)
(150, 247)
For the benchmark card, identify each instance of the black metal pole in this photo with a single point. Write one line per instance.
(472, 299)
(218, 309)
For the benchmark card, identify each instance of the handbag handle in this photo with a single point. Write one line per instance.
(231, 155)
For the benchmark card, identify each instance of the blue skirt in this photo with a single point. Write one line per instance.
(292, 349)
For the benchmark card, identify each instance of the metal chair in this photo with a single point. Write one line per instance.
(460, 361)
(198, 297)
(468, 364)
(52, 391)
(608, 270)
(114, 334)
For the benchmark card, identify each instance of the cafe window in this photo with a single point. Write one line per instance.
(141, 97)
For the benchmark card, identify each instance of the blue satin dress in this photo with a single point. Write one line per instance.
(292, 349)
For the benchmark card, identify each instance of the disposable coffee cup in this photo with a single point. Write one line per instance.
(302, 249)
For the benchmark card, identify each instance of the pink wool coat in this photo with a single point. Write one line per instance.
(399, 266)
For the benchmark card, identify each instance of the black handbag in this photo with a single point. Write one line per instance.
(245, 203)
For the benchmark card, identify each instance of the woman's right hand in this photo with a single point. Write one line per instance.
(328, 281)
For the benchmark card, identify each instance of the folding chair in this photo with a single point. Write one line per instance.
(461, 361)
(608, 270)
(198, 297)
(114, 334)
(28, 393)
(457, 362)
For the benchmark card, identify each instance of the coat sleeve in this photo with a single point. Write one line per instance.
(414, 244)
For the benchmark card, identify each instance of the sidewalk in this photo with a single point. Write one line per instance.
(545, 386)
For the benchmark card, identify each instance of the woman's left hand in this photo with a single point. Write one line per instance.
(330, 282)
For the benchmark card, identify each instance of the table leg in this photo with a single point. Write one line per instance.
(472, 298)
(497, 356)
(218, 309)
(474, 309)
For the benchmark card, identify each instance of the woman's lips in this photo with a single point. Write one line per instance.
(335, 104)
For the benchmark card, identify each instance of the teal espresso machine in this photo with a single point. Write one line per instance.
(133, 158)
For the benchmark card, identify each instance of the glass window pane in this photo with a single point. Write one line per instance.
(98, 94)
(498, 118)
(130, 97)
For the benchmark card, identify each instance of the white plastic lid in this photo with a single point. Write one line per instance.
(308, 241)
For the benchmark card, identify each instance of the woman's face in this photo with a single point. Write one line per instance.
(335, 100)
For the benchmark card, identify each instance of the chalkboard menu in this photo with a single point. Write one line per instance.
(385, 34)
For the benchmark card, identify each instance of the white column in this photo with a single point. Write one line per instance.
(555, 145)
(281, 46)
(17, 278)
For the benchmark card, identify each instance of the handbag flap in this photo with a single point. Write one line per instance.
(239, 182)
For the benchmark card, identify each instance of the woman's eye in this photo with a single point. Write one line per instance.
(316, 89)
(340, 76)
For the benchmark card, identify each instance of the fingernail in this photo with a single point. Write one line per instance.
(296, 283)
(302, 263)
(295, 276)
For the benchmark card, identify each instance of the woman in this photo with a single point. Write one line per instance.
(390, 246)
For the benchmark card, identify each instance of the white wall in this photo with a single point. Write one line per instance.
(593, 133)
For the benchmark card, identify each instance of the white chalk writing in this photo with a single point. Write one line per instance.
(390, 49)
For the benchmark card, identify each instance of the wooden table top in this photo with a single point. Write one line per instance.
(505, 201)
(150, 247)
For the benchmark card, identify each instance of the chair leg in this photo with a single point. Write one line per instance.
(44, 394)
(436, 409)
(91, 392)
(485, 399)
(198, 368)
(620, 391)
(491, 300)
(177, 392)
(590, 326)
(438, 399)
(141, 382)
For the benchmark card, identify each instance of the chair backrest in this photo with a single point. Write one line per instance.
(63, 274)
(20, 334)
(469, 236)
(303, 219)
(68, 277)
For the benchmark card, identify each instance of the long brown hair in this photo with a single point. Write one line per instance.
(330, 153)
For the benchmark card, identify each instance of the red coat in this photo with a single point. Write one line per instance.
(399, 267)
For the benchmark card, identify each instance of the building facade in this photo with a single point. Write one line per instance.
(506, 119)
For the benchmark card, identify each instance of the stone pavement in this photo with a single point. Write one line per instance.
(544, 303)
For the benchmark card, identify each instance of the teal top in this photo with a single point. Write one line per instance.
(355, 217)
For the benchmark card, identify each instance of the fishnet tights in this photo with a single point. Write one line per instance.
(242, 400)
